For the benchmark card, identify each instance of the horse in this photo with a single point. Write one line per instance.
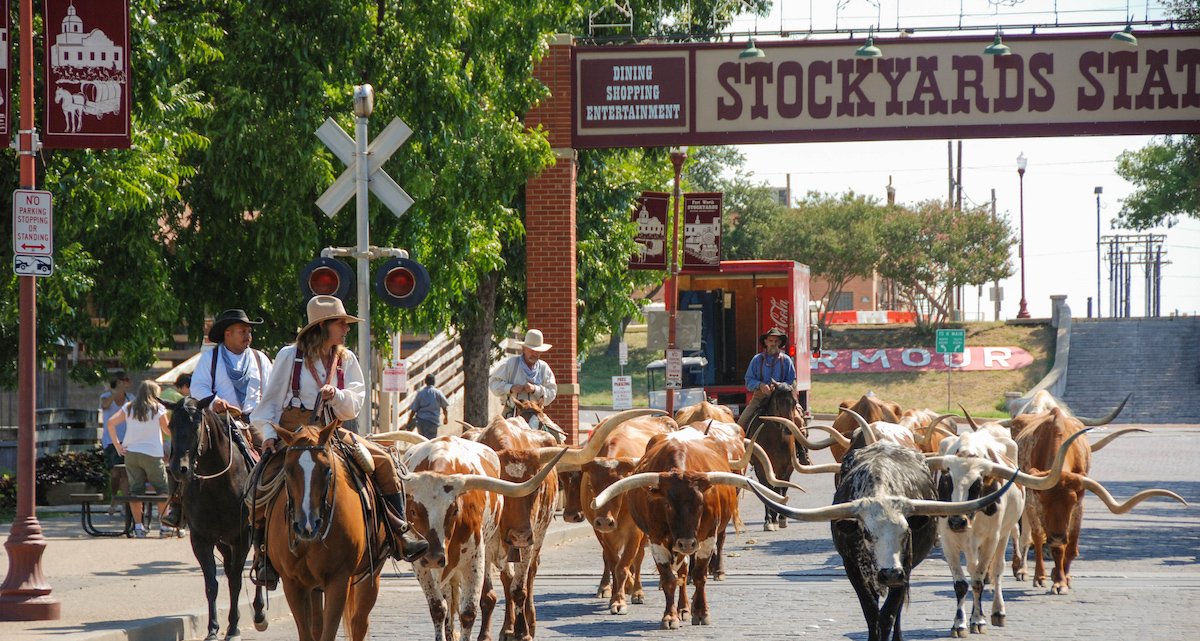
(328, 550)
(779, 443)
(214, 478)
(72, 108)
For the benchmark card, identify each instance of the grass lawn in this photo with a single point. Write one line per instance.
(982, 393)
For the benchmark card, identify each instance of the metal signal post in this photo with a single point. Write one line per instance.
(678, 157)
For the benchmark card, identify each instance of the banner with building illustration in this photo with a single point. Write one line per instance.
(650, 217)
(87, 74)
(702, 232)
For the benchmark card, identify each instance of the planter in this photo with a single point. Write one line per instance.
(60, 494)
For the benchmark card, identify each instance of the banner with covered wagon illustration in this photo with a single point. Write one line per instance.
(87, 74)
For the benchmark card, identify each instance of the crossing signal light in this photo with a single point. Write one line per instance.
(326, 276)
(401, 282)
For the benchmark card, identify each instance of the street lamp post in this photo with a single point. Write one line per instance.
(678, 156)
(1022, 162)
(1099, 190)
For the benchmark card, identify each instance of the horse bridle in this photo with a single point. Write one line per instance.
(328, 503)
(205, 436)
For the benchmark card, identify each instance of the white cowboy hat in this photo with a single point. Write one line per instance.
(534, 341)
(322, 308)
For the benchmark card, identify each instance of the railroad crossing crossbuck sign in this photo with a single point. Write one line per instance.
(381, 148)
(33, 233)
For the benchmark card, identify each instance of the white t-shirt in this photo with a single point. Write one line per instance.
(144, 437)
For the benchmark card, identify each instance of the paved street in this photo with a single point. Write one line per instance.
(1137, 577)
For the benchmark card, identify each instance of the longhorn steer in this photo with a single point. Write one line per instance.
(703, 411)
(871, 408)
(682, 497)
(455, 497)
(622, 544)
(1055, 514)
(882, 522)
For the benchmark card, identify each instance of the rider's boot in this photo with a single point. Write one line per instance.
(412, 546)
(173, 515)
(262, 573)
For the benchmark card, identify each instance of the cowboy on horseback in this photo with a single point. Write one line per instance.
(768, 368)
(234, 375)
(315, 376)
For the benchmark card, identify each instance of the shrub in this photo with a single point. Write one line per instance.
(68, 467)
(8, 493)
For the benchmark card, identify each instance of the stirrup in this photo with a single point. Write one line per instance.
(173, 517)
(263, 574)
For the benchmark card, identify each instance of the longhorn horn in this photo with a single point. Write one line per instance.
(830, 468)
(1099, 445)
(631, 482)
(508, 488)
(1096, 422)
(869, 437)
(1094, 486)
(764, 465)
(971, 421)
(1031, 481)
(951, 508)
(835, 512)
(403, 436)
(737, 480)
(465, 426)
(945, 432)
(834, 435)
(577, 456)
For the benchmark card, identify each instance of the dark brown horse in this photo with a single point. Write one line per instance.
(321, 538)
(779, 444)
(215, 476)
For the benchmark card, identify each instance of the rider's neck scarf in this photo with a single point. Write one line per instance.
(239, 373)
(531, 373)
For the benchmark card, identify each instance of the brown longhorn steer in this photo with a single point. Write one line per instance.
(1055, 514)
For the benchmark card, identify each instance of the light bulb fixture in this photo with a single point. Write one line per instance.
(751, 51)
(997, 48)
(1125, 36)
(868, 50)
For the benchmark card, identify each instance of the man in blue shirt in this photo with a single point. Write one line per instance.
(425, 408)
(768, 367)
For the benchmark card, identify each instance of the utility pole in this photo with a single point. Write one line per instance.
(1099, 190)
(995, 284)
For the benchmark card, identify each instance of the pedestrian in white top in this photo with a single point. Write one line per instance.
(145, 423)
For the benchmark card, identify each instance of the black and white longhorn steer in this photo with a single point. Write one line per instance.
(883, 525)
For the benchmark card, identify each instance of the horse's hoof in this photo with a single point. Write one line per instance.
(618, 608)
(998, 619)
(260, 621)
(978, 628)
(958, 633)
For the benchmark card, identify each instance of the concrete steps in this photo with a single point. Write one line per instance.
(1157, 359)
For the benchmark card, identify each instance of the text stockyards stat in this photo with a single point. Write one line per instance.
(921, 88)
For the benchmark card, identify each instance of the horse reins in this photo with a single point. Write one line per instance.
(207, 438)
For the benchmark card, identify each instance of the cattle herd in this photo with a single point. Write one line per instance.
(903, 481)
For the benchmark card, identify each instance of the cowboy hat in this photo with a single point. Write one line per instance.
(216, 333)
(322, 308)
(774, 331)
(534, 341)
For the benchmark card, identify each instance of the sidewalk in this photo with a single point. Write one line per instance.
(119, 589)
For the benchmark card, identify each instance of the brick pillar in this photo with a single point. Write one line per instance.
(550, 236)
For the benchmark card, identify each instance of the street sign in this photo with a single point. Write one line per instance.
(26, 265)
(951, 341)
(996, 294)
(380, 149)
(622, 392)
(623, 353)
(674, 369)
(33, 223)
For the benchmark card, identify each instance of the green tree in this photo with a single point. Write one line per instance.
(929, 250)
(1166, 174)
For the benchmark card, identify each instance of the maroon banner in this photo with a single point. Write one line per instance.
(5, 73)
(650, 216)
(702, 232)
(87, 74)
(918, 359)
(634, 92)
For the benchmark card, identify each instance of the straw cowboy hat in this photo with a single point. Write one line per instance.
(774, 331)
(216, 333)
(534, 341)
(322, 308)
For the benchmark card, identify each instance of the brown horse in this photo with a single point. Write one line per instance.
(328, 551)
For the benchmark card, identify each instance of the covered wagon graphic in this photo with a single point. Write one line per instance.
(97, 98)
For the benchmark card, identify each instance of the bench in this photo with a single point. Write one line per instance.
(85, 514)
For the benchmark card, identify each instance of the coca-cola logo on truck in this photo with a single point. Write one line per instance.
(779, 314)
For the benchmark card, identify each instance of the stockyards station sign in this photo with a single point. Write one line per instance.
(703, 94)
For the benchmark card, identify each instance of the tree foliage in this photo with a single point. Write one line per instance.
(1166, 174)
